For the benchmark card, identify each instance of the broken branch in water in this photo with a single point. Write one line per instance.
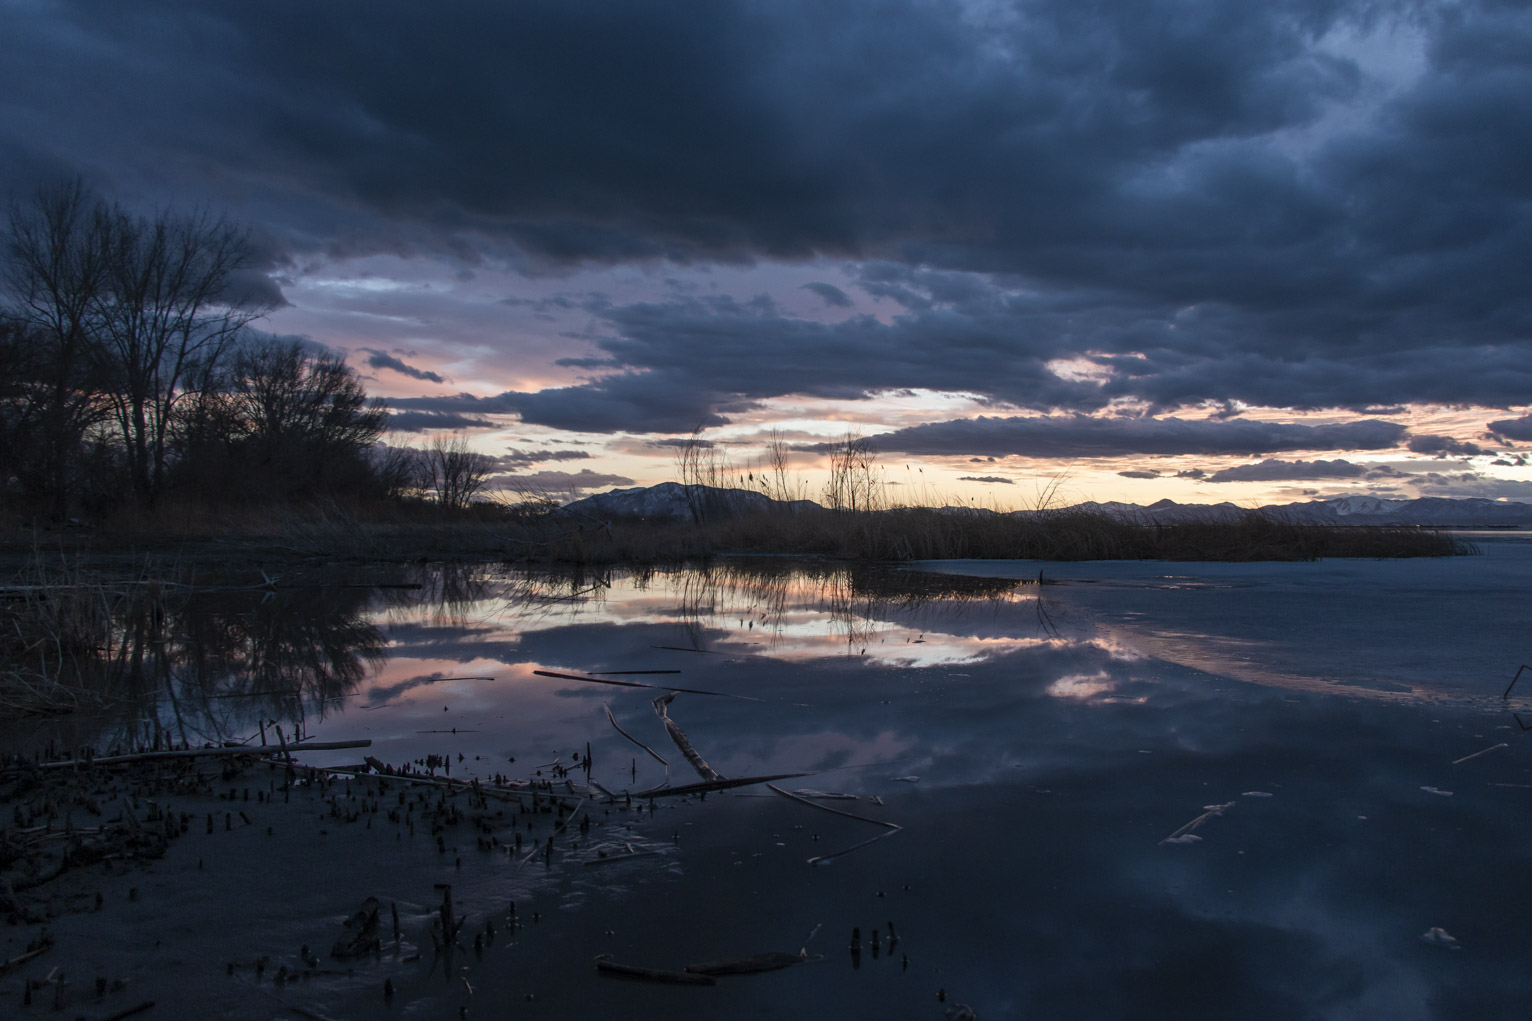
(1508, 687)
(1184, 835)
(635, 740)
(638, 684)
(825, 859)
(715, 785)
(833, 811)
(679, 737)
(1475, 755)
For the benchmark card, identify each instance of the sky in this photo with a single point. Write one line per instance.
(1053, 250)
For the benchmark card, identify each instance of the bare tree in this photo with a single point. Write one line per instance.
(454, 473)
(296, 402)
(56, 256)
(165, 317)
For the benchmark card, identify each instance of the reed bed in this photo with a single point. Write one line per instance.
(882, 535)
(542, 534)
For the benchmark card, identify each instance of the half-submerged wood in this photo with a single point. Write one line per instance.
(771, 960)
(606, 966)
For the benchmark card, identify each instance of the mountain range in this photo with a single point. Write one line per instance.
(674, 501)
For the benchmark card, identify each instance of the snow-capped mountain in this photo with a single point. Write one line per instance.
(675, 502)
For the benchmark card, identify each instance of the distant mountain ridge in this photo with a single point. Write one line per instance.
(677, 502)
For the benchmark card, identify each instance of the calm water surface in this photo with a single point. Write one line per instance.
(1036, 744)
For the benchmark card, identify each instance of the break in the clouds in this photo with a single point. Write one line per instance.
(1050, 206)
(1084, 436)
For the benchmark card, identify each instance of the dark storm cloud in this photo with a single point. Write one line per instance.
(1423, 443)
(1513, 428)
(832, 295)
(987, 478)
(1276, 470)
(518, 459)
(383, 360)
(1135, 473)
(557, 481)
(1214, 198)
(420, 421)
(1083, 436)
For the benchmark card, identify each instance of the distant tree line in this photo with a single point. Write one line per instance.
(129, 374)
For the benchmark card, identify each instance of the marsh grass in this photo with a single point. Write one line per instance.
(537, 532)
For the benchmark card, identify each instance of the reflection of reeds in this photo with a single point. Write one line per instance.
(169, 663)
(57, 624)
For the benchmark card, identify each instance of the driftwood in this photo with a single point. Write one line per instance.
(1475, 755)
(772, 960)
(195, 753)
(1184, 835)
(606, 966)
(679, 737)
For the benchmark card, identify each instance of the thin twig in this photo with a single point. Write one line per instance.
(658, 757)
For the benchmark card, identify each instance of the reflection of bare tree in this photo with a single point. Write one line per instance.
(211, 665)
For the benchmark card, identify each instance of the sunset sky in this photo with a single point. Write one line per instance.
(1120, 249)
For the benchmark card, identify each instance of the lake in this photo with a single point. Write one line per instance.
(1086, 790)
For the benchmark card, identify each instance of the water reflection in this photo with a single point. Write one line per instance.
(1036, 764)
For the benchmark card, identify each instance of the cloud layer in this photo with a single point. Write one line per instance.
(1052, 206)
